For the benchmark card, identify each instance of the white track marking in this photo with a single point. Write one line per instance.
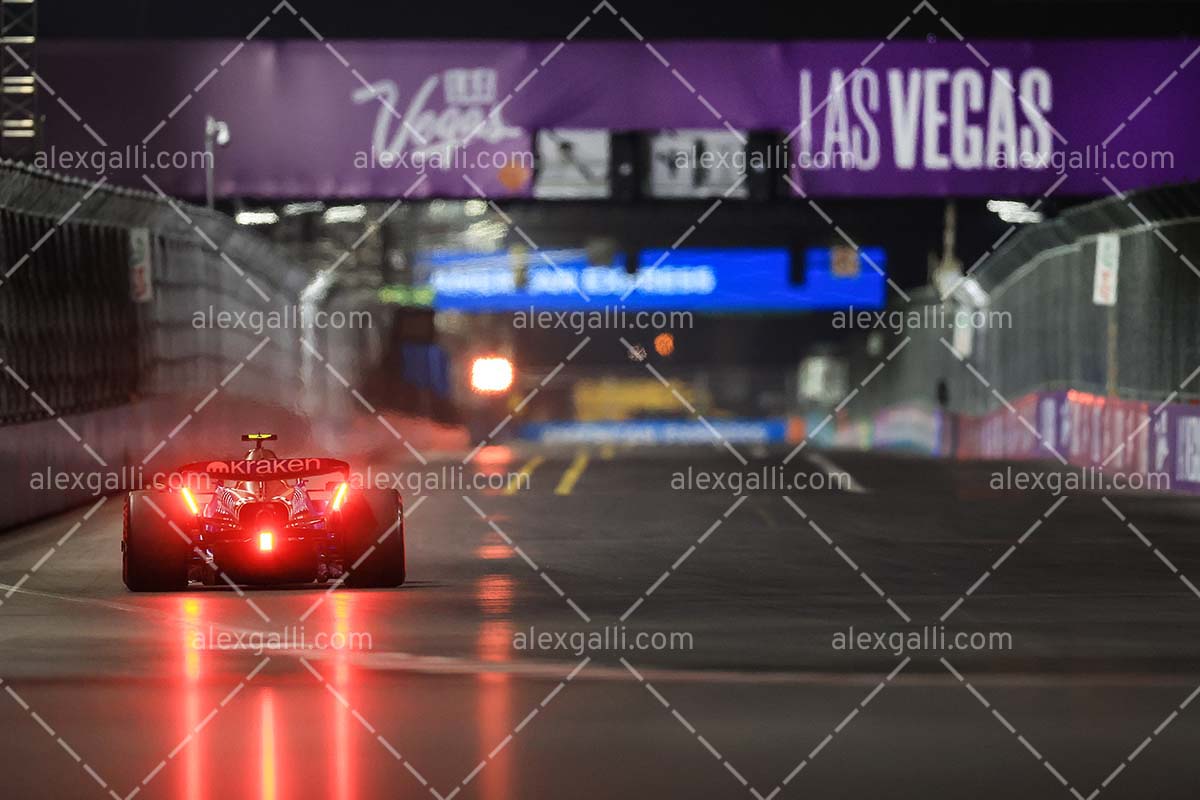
(822, 462)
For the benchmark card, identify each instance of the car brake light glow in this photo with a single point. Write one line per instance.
(339, 496)
(491, 375)
(266, 541)
(190, 499)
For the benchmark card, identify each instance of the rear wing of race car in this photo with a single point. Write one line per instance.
(267, 469)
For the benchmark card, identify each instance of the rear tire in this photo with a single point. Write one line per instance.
(154, 557)
(366, 517)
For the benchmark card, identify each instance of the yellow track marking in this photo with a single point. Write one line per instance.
(571, 476)
(522, 476)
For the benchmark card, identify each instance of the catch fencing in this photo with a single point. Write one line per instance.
(138, 332)
(100, 294)
(129, 343)
(1044, 333)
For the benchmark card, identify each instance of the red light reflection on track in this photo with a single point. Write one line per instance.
(494, 595)
(493, 552)
(343, 771)
(493, 456)
(270, 773)
(193, 775)
(267, 756)
(193, 628)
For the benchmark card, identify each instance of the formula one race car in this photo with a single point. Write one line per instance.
(257, 521)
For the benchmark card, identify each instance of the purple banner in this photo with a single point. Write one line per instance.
(370, 118)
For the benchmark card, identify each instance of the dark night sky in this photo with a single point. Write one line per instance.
(542, 19)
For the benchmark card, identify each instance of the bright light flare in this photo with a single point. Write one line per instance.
(264, 217)
(190, 500)
(491, 375)
(1015, 211)
(337, 214)
(266, 541)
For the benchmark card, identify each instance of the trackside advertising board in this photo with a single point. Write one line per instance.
(867, 118)
(713, 280)
(1104, 434)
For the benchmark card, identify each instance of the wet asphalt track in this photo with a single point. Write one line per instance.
(107, 696)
